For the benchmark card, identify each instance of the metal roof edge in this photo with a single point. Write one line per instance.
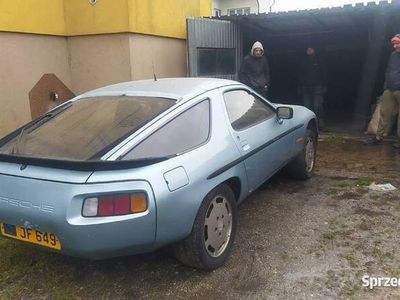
(347, 7)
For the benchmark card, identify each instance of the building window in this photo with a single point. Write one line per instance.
(217, 12)
(216, 61)
(238, 11)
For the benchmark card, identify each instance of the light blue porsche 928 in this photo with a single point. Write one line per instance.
(132, 167)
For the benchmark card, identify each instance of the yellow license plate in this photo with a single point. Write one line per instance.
(31, 236)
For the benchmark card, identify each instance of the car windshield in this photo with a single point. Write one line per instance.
(85, 129)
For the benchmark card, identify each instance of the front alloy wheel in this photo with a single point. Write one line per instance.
(302, 167)
(309, 154)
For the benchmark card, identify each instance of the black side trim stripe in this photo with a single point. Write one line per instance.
(240, 159)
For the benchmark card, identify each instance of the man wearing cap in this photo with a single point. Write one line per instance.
(390, 103)
(254, 70)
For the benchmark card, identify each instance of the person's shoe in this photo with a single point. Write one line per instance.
(372, 141)
(396, 145)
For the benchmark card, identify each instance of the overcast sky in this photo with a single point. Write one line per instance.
(285, 5)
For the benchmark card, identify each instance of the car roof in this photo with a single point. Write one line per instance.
(176, 88)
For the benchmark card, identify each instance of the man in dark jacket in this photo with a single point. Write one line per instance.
(254, 70)
(313, 83)
(390, 101)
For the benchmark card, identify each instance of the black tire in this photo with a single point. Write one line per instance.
(193, 250)
(302, 167)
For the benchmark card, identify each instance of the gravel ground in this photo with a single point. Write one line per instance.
(296, 240)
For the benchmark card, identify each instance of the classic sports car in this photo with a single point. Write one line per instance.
(135, 166)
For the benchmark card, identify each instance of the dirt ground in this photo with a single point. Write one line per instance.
(296, 240)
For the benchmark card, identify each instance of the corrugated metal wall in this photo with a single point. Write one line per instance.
(209, 33)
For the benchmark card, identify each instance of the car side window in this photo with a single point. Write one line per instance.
(246, 110)
(187, 131)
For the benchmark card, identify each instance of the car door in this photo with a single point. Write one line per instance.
(264, 141)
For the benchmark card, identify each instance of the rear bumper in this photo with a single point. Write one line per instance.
(55, 207)
(105, 241)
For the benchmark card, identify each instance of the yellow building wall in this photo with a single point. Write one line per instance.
(163, 56)
(164, 17)
(80, 17)
(76, 41)
(99, 60)
(24, 58)
(33, 16)
(106, 16)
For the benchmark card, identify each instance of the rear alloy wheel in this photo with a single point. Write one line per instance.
(218, 226)
(212, 236)
(302, 167)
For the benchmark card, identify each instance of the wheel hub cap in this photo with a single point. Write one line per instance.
(310, 153)
(218, 226)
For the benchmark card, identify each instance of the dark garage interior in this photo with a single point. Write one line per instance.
(354, 42)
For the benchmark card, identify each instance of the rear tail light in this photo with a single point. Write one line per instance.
(138, 202)
(106, 206)
(90, 207)
(122, 206)
(114, 205)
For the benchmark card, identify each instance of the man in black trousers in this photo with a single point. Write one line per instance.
(313, 81)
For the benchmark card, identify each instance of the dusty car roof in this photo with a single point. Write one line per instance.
(177, 88)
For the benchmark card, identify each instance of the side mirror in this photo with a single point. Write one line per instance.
(285, 112)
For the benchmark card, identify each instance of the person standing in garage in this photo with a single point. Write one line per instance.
(254, 70)
(313, 81)
(390, 101)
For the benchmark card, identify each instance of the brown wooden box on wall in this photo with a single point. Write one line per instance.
(47, 93)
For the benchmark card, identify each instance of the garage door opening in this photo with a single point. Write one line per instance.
(354, 42)
(343, 61)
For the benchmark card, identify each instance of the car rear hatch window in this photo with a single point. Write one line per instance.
(85, 129)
